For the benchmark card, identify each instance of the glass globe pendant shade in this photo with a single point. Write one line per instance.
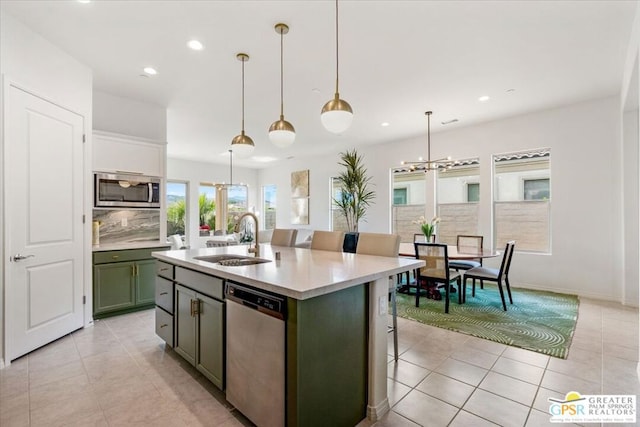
(336, 115)
(242, 145)
(281, 133)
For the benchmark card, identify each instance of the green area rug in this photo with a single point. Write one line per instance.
(538, 321)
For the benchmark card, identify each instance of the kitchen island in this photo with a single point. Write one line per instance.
(335, 329)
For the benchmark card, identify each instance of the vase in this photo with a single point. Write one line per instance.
(350, 242)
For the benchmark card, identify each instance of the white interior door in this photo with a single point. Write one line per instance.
(43, 222)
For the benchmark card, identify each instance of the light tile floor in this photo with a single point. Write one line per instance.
(118, 373)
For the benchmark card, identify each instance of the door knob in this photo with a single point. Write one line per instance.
(18, 257)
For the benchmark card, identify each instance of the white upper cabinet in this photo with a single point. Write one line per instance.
(120, 153)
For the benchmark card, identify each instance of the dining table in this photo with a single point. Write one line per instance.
(408, 250)
(453, 253)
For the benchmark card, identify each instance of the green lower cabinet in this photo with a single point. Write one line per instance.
(199, 331)
(123, 281)
(210, 360)
(185, 328)
(146, 282)
(327, 358)
(113, 287)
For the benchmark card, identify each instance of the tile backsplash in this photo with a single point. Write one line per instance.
(128, 226)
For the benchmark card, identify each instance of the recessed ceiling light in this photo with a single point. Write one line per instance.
(151, 71)
(384, 124)
(315, 90)
(484, 98)
(84, 1)
(511, 90)
(448, 122)
(195, 45)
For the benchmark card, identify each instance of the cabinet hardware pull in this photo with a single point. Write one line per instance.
(164, 269)
(115, 256)
(163, 293)
(133, 270)
(197, 311)
(163, 326)
(192, 311)
(137, 270)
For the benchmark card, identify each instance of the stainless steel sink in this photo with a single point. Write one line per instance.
(229, 260)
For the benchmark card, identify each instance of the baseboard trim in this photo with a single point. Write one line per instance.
(374, 413)
(601, 297)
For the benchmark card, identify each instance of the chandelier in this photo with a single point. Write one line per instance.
(428, 164)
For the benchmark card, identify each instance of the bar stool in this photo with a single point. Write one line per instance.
(384, 245)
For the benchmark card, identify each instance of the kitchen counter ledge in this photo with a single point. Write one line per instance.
(300, 273)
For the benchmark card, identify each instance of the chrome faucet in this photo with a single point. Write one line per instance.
(256, 248)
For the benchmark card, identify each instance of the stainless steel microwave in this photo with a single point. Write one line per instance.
(127, 191)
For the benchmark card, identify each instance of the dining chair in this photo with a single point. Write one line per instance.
(327, 240)
(384, 245)
(436, 271)
(284, 237)
(493, 274)
(469, 244)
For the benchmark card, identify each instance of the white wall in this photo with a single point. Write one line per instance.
(196, 172)
(31, 62)
(129, 117)
(586, 150)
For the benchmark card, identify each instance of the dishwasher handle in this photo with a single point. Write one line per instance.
(250, 305)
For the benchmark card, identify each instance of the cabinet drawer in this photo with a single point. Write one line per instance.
(164, 294)
(208, 285)
(164, 326)
(164, 269)
(124, 255)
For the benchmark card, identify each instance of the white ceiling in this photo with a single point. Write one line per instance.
(397, 60)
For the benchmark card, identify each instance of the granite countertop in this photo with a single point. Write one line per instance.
(129, 245)
(300, 273)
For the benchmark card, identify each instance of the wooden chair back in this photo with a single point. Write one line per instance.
(435, 257)
(506, 260)
(327, 240)
(284, 237)
(379, 244)
(470, 244)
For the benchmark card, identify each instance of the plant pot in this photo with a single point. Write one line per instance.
(350, 242)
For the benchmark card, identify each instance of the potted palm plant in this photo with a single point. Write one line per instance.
(354, 195)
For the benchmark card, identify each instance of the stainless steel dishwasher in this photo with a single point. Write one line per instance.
(256, 354)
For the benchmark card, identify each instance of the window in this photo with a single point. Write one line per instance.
(536, 189)
(473, 192)
(238, 198)
(522, 200)
(400, 196)
(207, 208)
(269, 206)
(408, 201)
(458, 194)
(176, 208)
(338, 221)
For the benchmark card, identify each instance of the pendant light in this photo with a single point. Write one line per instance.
(430, 165)
(281, 132)
(336, 114)
(242, 144)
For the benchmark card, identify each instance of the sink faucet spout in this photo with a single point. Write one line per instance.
(256, 249)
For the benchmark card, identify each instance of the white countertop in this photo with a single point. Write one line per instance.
(300, 273)
(131, 245)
